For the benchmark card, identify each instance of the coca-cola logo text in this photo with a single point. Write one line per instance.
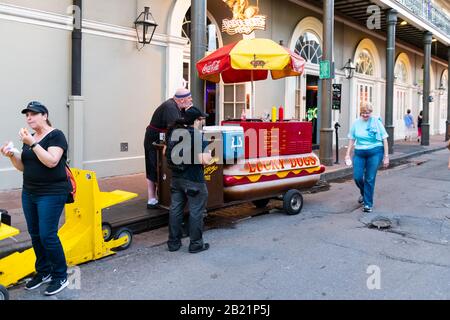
(211, 67)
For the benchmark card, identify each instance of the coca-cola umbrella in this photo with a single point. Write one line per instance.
(250, 60)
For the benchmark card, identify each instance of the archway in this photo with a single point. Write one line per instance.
(178, 51)
(365, 86)
(302, 94)
(402, 94)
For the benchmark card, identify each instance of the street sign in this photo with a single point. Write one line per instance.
(337, 94)
(325, 70)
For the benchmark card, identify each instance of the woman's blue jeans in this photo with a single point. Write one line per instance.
(365, 167)
(42, 213)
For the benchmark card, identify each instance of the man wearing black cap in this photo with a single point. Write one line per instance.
(188, 184)
(164, 116)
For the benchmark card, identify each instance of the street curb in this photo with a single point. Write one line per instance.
(347, 173)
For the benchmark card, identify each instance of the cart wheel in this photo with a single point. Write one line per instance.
(107, 231)
(124, 232)
(4, 295)
(293, 202)
(262, 203)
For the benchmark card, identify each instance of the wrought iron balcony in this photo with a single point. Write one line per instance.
(430, 12)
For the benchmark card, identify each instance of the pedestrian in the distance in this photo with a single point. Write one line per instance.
(44, 194)
(369, 139)
(419, 126)
(409, 125)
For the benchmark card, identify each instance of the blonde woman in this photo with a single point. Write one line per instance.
(369, 139)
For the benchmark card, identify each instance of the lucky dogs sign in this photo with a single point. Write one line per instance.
(263, 176)
(277, 167)
(246, 18)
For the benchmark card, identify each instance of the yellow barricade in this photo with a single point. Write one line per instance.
(81, 235)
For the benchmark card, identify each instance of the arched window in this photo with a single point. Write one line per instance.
(308, 47)
(401, 72)
(364, 63)
(186, 28)
(186, 33)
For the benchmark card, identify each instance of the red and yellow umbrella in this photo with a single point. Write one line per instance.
(250, 60)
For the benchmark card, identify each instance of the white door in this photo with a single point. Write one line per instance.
(443, 113)
(399, 112)
(365, 93)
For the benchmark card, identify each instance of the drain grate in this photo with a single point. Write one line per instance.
(380, 223)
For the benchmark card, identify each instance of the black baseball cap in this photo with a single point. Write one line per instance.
(193, 113)
(35, 106)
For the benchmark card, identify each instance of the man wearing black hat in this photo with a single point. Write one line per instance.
(188, 182)
(163, 117)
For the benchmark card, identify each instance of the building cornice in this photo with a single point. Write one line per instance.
(64, 22)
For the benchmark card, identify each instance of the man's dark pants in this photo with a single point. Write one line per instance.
(196, 195)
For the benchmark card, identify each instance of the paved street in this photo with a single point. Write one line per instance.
(323, 253)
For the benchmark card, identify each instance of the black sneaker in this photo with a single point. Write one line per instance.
(367, 209)
(197, 250)
(174, 248)
(361, 200)
(37, 281)
(56, 286)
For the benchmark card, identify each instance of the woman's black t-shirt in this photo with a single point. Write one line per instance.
(42, 180)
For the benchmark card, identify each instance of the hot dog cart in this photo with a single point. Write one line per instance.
(255, 161)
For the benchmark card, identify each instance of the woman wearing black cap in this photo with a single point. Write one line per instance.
(44, 194)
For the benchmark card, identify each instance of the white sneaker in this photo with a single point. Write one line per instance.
(152, 203)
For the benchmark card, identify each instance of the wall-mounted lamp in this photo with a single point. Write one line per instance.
(145, 27)
(349, 69)
(403, 23)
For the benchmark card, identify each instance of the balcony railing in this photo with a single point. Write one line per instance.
(430, 12)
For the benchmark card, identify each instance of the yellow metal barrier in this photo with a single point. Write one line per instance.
(7, 231)
(81, 235)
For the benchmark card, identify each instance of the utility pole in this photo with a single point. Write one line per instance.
(391, 19)
(447, 131)
(426, 88)
(198, 50)
(326, 131)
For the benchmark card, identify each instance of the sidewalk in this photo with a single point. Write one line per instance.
(10, 200)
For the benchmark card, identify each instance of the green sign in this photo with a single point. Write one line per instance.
(325, 70)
